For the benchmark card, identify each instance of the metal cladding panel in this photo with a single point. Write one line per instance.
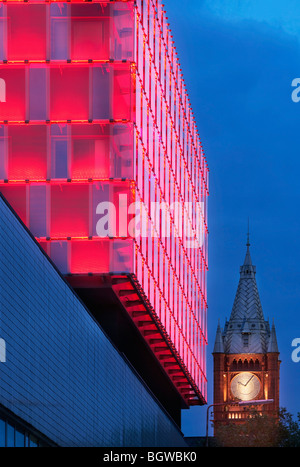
(100, 156)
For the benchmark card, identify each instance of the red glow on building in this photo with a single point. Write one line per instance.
(96, 111)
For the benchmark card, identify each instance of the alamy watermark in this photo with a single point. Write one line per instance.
(2, 351)
(296, 92)
(179, 220)
(2, 90)
(296, 352)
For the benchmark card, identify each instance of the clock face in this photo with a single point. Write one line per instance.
(245, 386)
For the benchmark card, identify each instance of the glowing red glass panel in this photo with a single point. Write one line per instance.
(27, 152)
(14, 106)
(89, 31)
(69, 93)
(90, 257)
(26, 37)
(16, 196)
(69, 210)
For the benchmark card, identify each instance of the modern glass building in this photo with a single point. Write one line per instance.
(101, 159)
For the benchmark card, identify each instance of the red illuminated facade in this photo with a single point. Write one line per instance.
(95, 127)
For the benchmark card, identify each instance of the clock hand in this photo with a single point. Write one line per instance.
(239, 382)
(248, 380)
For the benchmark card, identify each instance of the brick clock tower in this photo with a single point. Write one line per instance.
(246, 357)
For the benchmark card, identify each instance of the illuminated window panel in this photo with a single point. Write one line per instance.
(14, 107)
(101, 151)
(65, 83)
(16, 195)
(69, 210)
(90, 157)
(26, 37)
(27, 152)
(99, 256)
(89, 257)
(89, 31)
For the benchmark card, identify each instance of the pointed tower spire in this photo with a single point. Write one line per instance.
(248, 235)
(248, 267)
(273, 346)
(246, 330)
(219, 346)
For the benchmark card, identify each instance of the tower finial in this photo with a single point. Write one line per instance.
(248, 235)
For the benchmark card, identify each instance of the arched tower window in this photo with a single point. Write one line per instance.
(234, 364)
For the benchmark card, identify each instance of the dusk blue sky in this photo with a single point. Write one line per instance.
(239, 58)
